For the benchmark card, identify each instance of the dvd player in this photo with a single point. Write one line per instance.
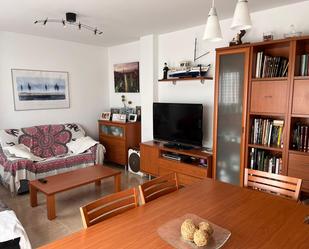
(171, 156)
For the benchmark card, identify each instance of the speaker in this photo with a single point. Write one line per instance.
(134, 162)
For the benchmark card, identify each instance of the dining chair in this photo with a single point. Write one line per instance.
(158, 187)
(285, 186)
(108, 206)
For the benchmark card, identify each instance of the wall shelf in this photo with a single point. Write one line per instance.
(174, 80)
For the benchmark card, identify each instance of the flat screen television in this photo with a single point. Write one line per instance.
(178, 123)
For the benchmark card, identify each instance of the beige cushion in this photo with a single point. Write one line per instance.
(82, 144)
(20, 151)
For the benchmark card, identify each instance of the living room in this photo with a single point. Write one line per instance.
(40, 39)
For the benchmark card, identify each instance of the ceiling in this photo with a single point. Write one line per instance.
(121, 20)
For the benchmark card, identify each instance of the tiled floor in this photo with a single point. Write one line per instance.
(39, 229)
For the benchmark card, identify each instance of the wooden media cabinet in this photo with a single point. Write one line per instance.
(154, 163)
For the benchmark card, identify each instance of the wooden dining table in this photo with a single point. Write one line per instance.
(255, 220)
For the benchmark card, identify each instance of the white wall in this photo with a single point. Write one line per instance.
(87, 67)
(124, 53)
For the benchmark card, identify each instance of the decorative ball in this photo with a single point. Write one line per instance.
(205, 226)
(200, 237)
(187, 229)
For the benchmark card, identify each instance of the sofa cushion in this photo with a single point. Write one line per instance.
(20, 151)
(82, 144)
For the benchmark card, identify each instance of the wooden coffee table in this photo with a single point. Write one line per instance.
(69, 180)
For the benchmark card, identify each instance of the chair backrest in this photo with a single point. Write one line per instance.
(157, 187)
(108, 206)
(283, 185)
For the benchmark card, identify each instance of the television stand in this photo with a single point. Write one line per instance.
(190, 165)
(178, 146)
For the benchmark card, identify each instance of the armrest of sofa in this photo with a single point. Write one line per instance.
(98, 151)
(3, 157)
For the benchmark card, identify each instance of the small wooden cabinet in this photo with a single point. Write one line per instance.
(117, 138)
(153, 163)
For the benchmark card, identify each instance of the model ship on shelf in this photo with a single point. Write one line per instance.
(186, 70)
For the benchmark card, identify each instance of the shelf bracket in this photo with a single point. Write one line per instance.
(202, 81)
(174, 82)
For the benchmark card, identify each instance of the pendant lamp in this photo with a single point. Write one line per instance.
(212, 29)
(241, 19)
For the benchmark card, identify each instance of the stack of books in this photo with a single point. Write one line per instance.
(300, 138)
(265, 161)
(267, 132)
(271, 66)
(303, 66)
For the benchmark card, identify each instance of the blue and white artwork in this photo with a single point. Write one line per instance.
(35, 89)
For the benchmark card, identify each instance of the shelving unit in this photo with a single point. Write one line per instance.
(276, 98)
(268, 99)
(284, 98)
(174, 80)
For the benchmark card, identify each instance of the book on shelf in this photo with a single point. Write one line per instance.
(267, 132)
(264, 161)
(303, 66)
(300, 137)
(271, 66)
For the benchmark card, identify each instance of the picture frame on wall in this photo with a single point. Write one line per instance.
(39, 89)
(106, 116)
(126, 77)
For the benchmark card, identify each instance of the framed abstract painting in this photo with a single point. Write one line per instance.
(126, 77)
(36, 89)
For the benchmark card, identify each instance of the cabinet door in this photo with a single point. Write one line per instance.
(299, 168)
(115, 150)
(149, 160)
(113, 131)
(269, 97)
(301, 97)
(230, 113)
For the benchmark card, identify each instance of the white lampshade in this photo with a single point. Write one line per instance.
(241, 19)
(212, 29)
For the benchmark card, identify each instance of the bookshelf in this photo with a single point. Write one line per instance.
(282, 98)
(276, 96)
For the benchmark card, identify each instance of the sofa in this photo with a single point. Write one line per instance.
(50, 144)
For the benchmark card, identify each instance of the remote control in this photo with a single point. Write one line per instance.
(42, 180)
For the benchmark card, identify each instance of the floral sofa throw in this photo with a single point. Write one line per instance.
(48, 142)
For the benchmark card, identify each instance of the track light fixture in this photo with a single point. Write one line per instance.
(70, 19)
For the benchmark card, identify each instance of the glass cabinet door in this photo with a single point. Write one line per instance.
(112, 130)
(230, 97)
